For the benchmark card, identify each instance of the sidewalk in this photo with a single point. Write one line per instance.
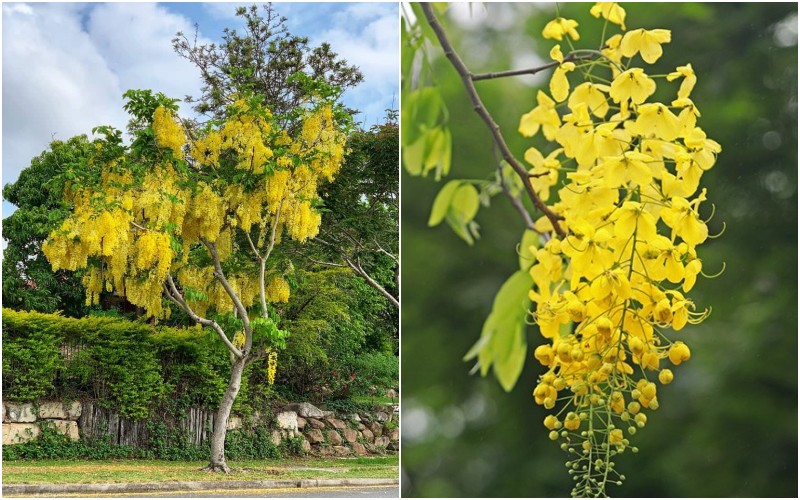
(47, 489)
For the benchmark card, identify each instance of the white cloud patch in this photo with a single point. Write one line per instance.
(135, 40)
(66, 66)
(367, 35)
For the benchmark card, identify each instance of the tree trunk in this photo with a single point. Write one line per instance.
(218, 463)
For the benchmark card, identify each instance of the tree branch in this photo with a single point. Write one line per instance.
(390, 255)
(527, 71)
(175, 296)
(374, 284)
(480, 108)
(220, 275)
(262, 265)
(516, 202)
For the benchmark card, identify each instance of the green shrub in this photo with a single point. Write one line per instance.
(30, 364)
(254, 444)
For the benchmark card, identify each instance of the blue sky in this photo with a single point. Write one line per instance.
(66, 65)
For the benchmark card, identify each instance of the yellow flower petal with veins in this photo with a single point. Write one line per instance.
(611, 11)
(633, 85)
(558, 27)
(559, 85)
(645, 42)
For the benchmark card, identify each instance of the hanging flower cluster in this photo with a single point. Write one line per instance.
(138, 215)
(610, 293)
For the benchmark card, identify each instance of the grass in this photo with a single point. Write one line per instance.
(373, 400)
(130, 471)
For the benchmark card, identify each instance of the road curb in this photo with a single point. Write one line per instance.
(44, 489)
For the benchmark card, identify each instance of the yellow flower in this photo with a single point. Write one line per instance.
(689, 80)
(656, 120)
(544, 115)
(545, 172)
(611, 51)
(633, 85)
(544, 354)
(558, 27)
(555, 53)
(167, 131)
(629, 167)
(611, 11)
(593, 95)
(679, 352)
(645, 42)
(684, 221)
(559, 85)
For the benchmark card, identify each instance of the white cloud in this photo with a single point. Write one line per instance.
(66, 66)
(135, 40)
(367, 35)
(55, 83)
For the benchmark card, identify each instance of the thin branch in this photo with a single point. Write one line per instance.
(516, 202)
(380, 249)
(252, 245)
(323, 263)
(175, 296)
(220, 275)
(137, 226)
(262, 265)
(527, 71)
(480, 108)
(360, 271)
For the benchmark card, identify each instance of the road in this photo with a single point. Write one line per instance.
(345, 492)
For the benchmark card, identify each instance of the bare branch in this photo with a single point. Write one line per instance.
(175, 296)
(323, 263)
(515, 201)
(480, 108)
(527, 71)
(252, 245)
(360, 271)
(262, 265)
(380, 249)
(240, 309)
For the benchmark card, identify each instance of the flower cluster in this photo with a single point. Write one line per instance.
(609, 293)
(136, 227)
(272, 366)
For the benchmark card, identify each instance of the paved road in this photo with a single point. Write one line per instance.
(354, 492)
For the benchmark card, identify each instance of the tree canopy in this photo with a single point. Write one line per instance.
(28, 280)
(263, 59)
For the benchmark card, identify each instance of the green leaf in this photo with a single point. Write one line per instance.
(441, 204)
(458, 226)
(508, 369)
(502, 344)
(526, 257)
(465, 203)
(413, 156)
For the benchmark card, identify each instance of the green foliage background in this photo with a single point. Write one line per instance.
(727, 426)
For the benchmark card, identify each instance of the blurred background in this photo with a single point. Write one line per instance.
(727, 426)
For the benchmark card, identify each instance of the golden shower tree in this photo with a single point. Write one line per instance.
(188, 217)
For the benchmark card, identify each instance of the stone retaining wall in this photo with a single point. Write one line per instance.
(321, 432)
(23, 422)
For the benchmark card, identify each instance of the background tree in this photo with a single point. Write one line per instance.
(192, 217)
(343, 337)
(462, 434)
(361, 230)
(262, 60)
(28, 279)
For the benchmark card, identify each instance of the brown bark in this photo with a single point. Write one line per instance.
(218, 463)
